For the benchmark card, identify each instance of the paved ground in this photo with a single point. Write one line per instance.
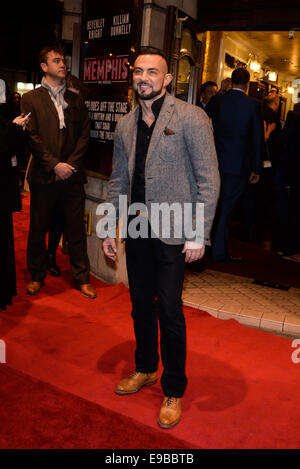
(231, 296)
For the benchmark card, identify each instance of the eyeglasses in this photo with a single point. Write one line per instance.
(57, 60)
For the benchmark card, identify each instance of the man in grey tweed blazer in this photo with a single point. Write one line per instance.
(164, 153)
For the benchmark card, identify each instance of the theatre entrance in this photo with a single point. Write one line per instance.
(267, 43)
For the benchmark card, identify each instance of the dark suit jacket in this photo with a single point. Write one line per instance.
(238, 131)
(289, 164)
(202, 107)
(47, 147)
(10, 199)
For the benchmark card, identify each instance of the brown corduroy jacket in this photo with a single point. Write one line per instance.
(47, 146)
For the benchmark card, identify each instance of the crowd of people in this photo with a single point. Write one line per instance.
(166, 150)
(271, 199)
(57, 127)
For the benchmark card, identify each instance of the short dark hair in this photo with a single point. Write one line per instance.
(206, 85)
(240, 76)
(151, 51)
(45, 51)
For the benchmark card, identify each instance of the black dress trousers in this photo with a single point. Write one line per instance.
(45, 198)
(156, 275)
(232, 188)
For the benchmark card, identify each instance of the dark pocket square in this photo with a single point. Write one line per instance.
(168, 132)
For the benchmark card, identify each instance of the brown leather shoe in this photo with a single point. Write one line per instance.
(135, 382)
(34, 287)
(170, 412)
(87, 290)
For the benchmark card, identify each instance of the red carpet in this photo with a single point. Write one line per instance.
(38, 415)
(242, 392)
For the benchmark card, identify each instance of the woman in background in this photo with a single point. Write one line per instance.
(10, 200)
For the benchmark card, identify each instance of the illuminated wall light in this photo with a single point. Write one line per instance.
(272, 76)
(290, 90)
(25, 86)
(296, 94)
(255, 66)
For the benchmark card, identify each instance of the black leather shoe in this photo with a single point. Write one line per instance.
(230, 260)
(234, 260)
(52, 266)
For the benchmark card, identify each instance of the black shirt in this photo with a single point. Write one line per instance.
(144, 134)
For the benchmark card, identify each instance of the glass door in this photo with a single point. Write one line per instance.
(183, 51)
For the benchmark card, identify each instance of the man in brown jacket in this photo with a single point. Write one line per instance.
(59, 131)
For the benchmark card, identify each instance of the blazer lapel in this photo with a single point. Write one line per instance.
(162, 122)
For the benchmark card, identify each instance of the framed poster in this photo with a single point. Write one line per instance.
(111, 33)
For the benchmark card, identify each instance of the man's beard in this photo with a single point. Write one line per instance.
(146, 97)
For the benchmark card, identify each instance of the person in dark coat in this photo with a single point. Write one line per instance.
(207, 92)
(22, 150)
(57, 223)
(289, 179)
(239, 139)
(10, 199)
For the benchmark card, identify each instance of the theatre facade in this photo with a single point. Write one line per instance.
(202, 41)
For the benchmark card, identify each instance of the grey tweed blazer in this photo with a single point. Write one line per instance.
(181, 165)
